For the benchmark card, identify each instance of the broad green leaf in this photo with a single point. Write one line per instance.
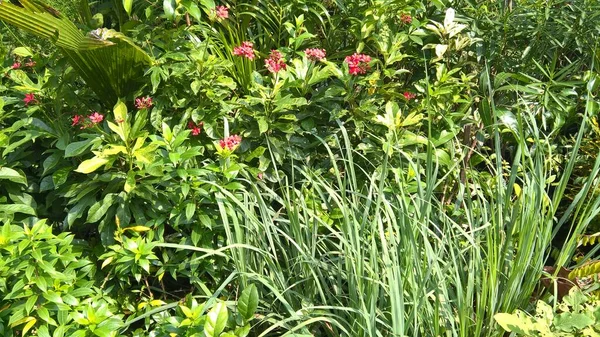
(192, 8)
(77, 148)
(568, 321)
(216, 319)
(130, 181)
(99, 209)
(169, 8)
(23, 52)
(91, 165)
(12, 175)
(17, 208)
(248, 302)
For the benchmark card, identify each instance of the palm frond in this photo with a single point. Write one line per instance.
(108, 61)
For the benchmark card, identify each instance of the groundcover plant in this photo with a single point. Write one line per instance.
(299, 168)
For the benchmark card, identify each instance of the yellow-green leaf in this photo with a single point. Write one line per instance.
(128, 4)
(91, 165)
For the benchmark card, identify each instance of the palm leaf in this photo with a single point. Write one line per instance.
(108, 61)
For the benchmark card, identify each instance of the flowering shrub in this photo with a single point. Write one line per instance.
(315, 54)
(358, 64)
(245, 50)
(29, 98)
(230, 143)
(222, 12)
(275, 62)
(196, 128)
(143, 102)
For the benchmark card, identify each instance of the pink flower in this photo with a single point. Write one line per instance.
(315, 54)
(29, 98)
(16, 65)
(275, 62)
(259, 176)
(30, 63)
(76, 120)
(409, 95)
(222, 12)
(143, 102)
(230, 143)
(358, 63)
(96, 118)
(196, 128)
(245, 50)
(406, 19)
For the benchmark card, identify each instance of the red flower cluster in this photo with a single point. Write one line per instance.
(16, 65)
(358, 63)
(222, 12)
(315, 54)
(409, 95)
(143, 102)
(406, 19)
(94, 119)
(245, 50)
(196, 128)
(29, 98)
(275, 62)
(230, 143)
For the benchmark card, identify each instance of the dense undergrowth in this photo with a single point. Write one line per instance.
(299, 168)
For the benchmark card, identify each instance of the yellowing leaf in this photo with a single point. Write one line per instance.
(91, 165)
(440, 50)
(107, 262)
(138, 229)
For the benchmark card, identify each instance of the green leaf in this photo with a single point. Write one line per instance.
(91, 165)
(193, 9)
(128, 4)
(77, 148)
(169, 8)
(17, 208)
(263, 125)
(568, 321)
(99, 209)
(216, 319)
(31, 301)
(12, 175)
(248, 302)
(23, 52)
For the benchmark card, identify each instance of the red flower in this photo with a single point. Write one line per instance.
(358, 63)
(196, 128)
(409, 95)
(406, 19)
(275, 62)
(222, 12)
(245, 50)
(315, 54)
(29, 98)
(96, 118)
(143, 102)
(230, 143)
(16, 65)
(76, 120)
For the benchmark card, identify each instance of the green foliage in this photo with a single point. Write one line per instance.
(415, 189)
(578, 314)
